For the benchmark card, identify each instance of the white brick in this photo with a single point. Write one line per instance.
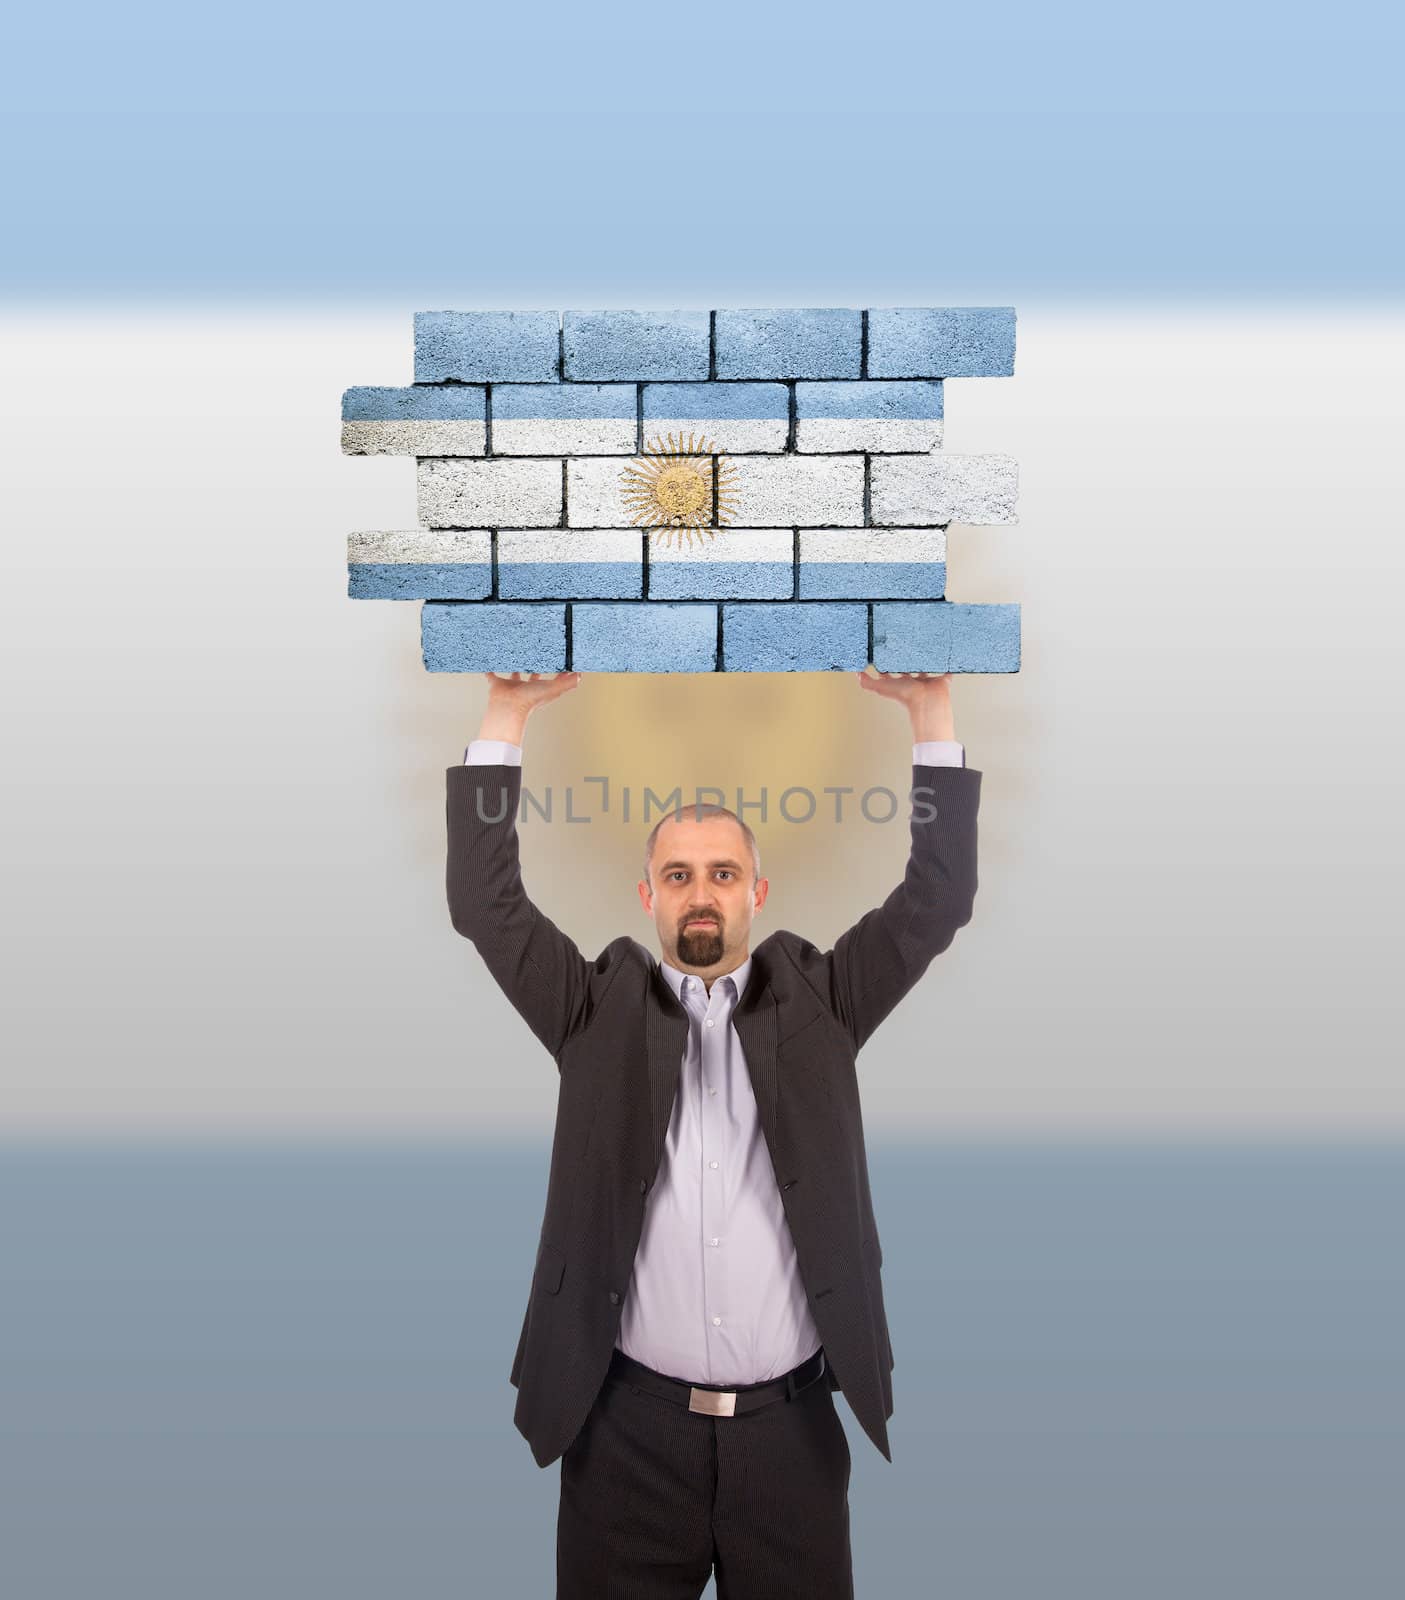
(770, 492)
(722, 433)
(413, 438)
(571, 544)
(868, 433)
(870, 545)
(595, 493)
(564, 436)
(721, 544)
(421, 544)
(500, 494)
(941, 488)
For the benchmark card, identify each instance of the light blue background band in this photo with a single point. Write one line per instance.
(348, 160)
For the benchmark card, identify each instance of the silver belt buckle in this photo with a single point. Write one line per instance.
(713, 1402)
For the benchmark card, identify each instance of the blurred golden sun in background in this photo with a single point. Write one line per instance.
(662, 737)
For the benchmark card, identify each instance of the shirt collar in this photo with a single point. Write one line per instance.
(738, 975)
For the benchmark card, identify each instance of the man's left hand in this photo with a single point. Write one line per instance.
(927, 696)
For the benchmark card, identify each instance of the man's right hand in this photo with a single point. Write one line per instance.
(512, 700)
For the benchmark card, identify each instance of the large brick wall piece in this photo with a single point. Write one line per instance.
(823, 541)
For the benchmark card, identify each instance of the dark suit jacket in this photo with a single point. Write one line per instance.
(618, 1034)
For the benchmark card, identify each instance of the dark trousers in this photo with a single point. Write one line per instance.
(654, 1497)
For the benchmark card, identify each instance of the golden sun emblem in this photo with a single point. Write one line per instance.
(674, 488)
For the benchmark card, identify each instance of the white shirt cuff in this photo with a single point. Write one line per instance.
(938, 753)
(501, 752)
(492, 752)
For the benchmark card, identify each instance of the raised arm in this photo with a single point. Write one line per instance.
(538, 967)
(877, 961)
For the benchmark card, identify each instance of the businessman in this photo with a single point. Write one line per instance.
(708, 1270)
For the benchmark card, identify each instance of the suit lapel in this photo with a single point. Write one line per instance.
(666, 1038)
(755, 1020)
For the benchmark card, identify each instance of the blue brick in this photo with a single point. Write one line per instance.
(789, 343)
(569, 580)
(985, 638)
(794, 637)
(558, 401)
(626, 346)
(487, 346)
(456, 402)
(872, 580)
(945, 637)
(886, 400)
(721, 580)
(418, 580)
(768, 402)
(643, 638)
(492, 636)
(941, 342)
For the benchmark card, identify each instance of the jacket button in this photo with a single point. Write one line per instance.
(643, 1186)
(791, 1184)
(614, 1297)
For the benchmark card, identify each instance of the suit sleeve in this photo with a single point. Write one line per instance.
(877, 961)
(536, 965)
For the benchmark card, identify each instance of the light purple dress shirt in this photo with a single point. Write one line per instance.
(716, 1294)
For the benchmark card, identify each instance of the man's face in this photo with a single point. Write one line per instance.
(704, 895)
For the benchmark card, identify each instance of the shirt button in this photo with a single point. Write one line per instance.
(712, 1163)
(712, 1091)
(712, 1241)
(717, 1322)
(710, 1022)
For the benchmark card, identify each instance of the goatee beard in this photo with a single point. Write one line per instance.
(700, 947)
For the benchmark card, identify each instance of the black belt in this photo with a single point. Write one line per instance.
(710, 1398)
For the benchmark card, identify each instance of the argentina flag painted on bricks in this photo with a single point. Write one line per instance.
(733, 490)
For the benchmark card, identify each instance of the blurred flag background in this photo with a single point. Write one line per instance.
(273, 1150)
